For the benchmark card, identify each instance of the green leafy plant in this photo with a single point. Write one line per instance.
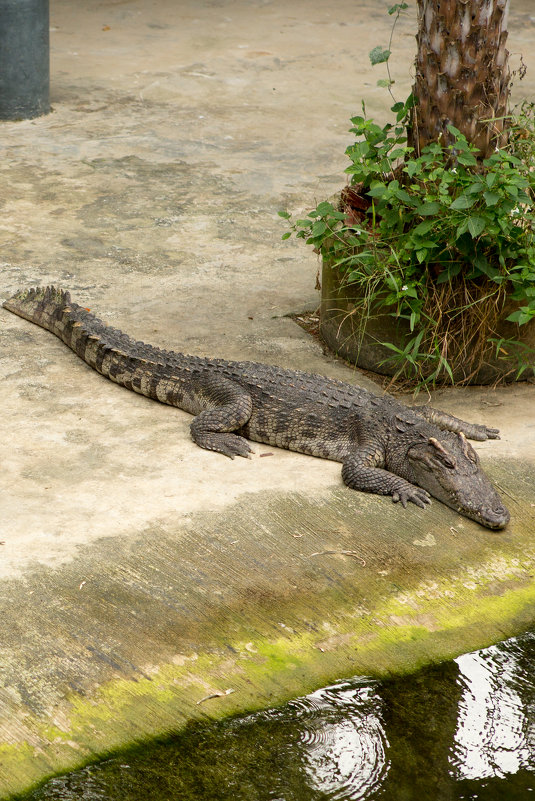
(442, 241)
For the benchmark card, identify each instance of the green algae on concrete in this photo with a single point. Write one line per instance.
(313, 598)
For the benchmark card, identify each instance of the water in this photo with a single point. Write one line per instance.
(460, 730)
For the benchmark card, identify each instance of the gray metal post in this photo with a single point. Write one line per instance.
(24, 59)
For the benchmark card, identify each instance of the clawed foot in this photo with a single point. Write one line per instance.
(235, 445)
(481, 433)
(228, 444)
(415, 495)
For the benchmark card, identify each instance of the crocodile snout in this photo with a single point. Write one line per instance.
(496, 517)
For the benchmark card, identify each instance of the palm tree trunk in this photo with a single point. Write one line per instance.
(462, 73)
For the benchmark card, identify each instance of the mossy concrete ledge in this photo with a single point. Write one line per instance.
(244, 608)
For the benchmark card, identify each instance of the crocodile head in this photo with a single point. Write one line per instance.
(449, 469)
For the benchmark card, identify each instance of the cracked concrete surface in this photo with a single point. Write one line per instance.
(139, 573)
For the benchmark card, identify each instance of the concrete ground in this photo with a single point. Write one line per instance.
(145, 582)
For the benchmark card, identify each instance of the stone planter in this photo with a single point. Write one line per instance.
(359, 341)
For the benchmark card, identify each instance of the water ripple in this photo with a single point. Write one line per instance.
(342, 738)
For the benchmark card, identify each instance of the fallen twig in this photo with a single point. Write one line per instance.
(215, 695)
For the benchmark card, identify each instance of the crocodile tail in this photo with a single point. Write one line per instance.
(40, 305)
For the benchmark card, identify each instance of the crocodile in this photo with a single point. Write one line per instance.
(407, 452)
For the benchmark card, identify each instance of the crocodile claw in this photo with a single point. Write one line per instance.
(229, 444)
(415, 495)
(481, 432)
(232, 445)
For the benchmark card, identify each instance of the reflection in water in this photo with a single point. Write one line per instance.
(420, 717)
(489, 739)
(496, 730)
(461, 730)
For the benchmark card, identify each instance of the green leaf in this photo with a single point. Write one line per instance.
(428, 208)
(467, 159)
(397, 7)
(284, 214)
(378, 55)
(404, 197)
(417, 341)
(385, 82)
(401, 110)
(476, 225)
(444, 363)
(319, 228)
(455, 132)
(491, 198)
(463, 202)
(391, 282)
(488, 269)
(476, 188)
(522, 316)
(426, 243)
(377, 190)
(461, 229)
(450, 272)
(324, 208)
(287, 235)
(424, 227)
(421, 255)
(393, 347)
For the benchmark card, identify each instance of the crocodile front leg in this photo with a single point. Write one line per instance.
(362, 471)
(447, 422)
(226, 408)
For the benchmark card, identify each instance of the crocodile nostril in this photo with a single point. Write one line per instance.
(499, 515)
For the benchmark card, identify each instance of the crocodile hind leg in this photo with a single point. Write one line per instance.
(447, 422)
(361, 471)
(226, 407)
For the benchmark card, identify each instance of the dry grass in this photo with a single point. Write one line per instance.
(464, 315)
